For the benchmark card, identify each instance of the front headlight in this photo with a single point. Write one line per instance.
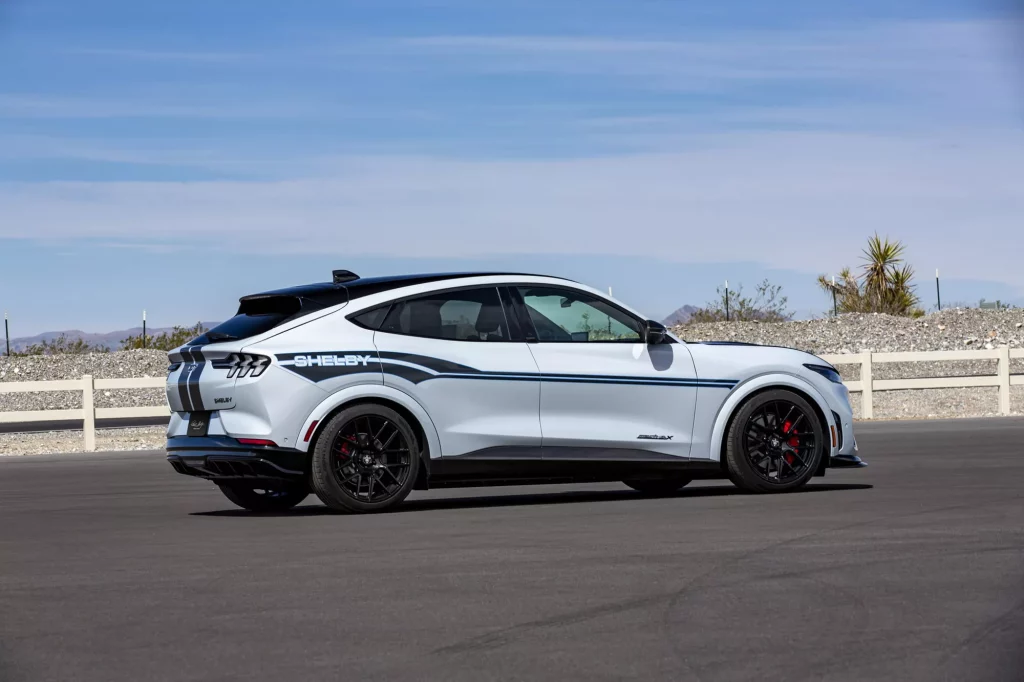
(829, 373)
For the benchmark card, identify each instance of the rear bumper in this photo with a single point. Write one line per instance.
(219, 458)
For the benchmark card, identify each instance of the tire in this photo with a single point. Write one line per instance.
(774, 443)
(658, 486)
(365, 460)
(264, 500)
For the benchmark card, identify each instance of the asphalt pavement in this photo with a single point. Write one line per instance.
(113, 567)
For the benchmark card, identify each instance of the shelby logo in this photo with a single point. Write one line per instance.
(646, 436)
(221, 401)
(195, 423)
(331, 360)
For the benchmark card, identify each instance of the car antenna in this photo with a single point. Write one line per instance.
(342, 276)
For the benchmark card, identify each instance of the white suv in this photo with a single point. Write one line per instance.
(363, 389)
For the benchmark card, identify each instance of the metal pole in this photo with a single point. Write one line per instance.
(938, 294)
(726, 300)
(835, 306)
(7, 335)
(143, 328)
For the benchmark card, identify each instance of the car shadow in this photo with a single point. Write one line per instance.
(534, 499)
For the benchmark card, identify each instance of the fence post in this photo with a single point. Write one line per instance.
(89, 413)
(1004, 380)
(867, 402)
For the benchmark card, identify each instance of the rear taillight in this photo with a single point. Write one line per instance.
(245, 364)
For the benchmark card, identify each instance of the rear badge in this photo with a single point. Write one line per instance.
(650, 436)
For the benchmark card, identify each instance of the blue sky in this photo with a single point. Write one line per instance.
(174, 156)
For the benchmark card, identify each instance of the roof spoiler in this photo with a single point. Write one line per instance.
(342, 276)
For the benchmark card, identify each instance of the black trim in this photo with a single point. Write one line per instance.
(567, 454)
(222, 458)
(515, 330)
(846, 462)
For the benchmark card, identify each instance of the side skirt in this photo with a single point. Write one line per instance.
(529, 466)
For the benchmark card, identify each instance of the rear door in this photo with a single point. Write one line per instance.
(604, 392)
(455, 352)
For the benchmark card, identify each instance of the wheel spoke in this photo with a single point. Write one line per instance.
(381, 431)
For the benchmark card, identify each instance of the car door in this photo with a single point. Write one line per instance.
(453, 351)
(602, 388)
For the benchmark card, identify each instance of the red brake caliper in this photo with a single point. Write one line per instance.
(793, 441)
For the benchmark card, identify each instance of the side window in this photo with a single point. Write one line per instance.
(563, 315)
(371, 319)
(467, 315)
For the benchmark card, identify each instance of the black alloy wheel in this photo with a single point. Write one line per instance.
(774, 443)
(371, 458)
(366, 459)
(778, 440)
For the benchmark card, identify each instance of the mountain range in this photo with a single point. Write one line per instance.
(680, 316)
(111, 340)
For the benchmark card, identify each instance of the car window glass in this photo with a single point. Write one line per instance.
(466, 315)
(371, 319)
(561, 315)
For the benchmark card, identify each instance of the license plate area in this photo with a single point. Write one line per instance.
(198, 424)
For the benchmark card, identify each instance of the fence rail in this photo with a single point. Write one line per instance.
(88, 413)
(866, 386)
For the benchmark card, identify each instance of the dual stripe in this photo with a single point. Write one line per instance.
(188, 380)
(420, 368)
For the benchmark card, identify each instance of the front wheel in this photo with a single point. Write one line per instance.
(264, 500)
(658, 486)
(774, 443)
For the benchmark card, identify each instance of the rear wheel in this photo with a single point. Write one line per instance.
(365, 460)
(658, 486)
(264, 500)
(774, 443)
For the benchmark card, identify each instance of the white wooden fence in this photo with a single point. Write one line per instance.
(867, 386)
(88, 413)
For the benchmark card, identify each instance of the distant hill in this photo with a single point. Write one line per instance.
(111, 340)
(680, 316)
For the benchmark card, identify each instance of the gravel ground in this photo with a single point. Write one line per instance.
(119, 365)
(50, 442)
(955, 329)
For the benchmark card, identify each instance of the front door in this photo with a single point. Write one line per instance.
(605, 394)
(453, 352)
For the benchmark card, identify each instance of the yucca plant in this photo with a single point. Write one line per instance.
(885, 284)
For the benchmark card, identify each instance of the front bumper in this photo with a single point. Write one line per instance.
(218, 458)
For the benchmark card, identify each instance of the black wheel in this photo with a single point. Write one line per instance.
(658, 486)
(365, 460)
(264, 500)
(774, 443)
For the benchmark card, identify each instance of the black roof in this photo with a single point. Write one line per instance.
(326, 294)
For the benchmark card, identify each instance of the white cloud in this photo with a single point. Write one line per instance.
(35, 106)
(799, 201)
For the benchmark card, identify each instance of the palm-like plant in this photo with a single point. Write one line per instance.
(884, 286)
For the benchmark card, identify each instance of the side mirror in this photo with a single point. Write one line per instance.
(656, 332)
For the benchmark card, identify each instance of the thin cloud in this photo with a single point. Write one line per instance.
(36, 106)
(163, 55)
(795, 201)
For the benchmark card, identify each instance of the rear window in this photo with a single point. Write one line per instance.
(259, 314)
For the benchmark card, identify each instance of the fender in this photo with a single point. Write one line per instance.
(754, 384)
(363, 391)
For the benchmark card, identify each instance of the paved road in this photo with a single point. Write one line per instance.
(114, 568)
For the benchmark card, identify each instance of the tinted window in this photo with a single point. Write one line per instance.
(371, 319)
(467, 315)
(563, 315)
(256, 315)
